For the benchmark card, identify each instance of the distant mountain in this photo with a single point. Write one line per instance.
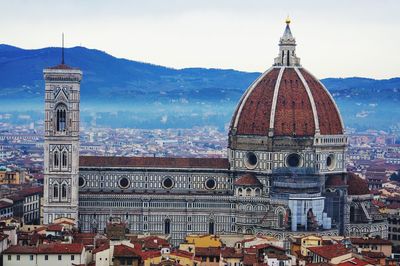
(120, 92)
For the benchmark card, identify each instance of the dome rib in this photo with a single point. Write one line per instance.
(252, 117)
(311, 98)
(330, 121)
(275, 100)
(294, 115)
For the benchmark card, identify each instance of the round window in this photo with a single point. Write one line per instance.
(293, 160)
(123, 182)
(168, 182)
(210, 183)
(81, 181)
(331, 162)
(251, 160)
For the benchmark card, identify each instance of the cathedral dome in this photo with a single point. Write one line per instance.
(287, 100)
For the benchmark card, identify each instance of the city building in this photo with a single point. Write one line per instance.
(49, 254)
(284, 175)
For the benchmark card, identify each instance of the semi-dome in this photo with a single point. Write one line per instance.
(287, 100)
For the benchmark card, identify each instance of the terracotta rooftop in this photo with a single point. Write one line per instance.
(211, 251)
(357, 185)
(31, 191)
(151, 242)
(53, 248)
(335, 181)
(150, 254)
(102, 247)
(228, 252)
(155, 162)
(373, 255)
(375, 241)
(248, 180)
(125, 251)
(354, 262)
(330, 251)
(55, 227)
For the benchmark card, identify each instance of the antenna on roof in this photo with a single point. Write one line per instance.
(62, 50)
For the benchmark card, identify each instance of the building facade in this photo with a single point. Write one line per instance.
(284, 174)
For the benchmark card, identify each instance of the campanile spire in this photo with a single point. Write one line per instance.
(287, 48)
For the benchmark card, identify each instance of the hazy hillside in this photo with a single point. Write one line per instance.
(120, 92)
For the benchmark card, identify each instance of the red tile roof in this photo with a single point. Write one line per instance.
(228, 252)
(150, 254)
(125, 251)
(375, 241)
(264, 246)
(154, 162)
(248, 180)
(330, 251)
(373, 255)
(354, 262)
(357, 185)
(53, 248)
(102, 247)
(335, 181)
(207, 252)
(31, 191)
(55, 227)
(152, 242)
(182, 253)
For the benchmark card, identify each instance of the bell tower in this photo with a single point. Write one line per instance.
(61, 144)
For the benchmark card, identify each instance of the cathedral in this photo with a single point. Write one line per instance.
(284, 174)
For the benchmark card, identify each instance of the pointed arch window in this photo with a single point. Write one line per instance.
(61, 119)
(55, 191)
(64, 191)
(64, 159)
(211, 228)
(56, 159)
(167, 226)
(280, 219)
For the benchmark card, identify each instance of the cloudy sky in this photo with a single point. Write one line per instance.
(339, 38)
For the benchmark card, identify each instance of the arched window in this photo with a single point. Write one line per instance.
(280, 219)
(56, 159)
(64, 191)
(64, 159)
(240, 192)
(248, 192)
(55, 191)
(211, 227)
(61, 120)
(167, 226)
(257, 192)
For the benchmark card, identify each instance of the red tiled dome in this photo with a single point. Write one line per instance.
(248, 180)
(286, 101)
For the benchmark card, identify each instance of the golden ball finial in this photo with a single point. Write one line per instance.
(287, 20)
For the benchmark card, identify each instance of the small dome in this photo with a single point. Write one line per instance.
(248, 180)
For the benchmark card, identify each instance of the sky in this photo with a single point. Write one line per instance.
(341, 38)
